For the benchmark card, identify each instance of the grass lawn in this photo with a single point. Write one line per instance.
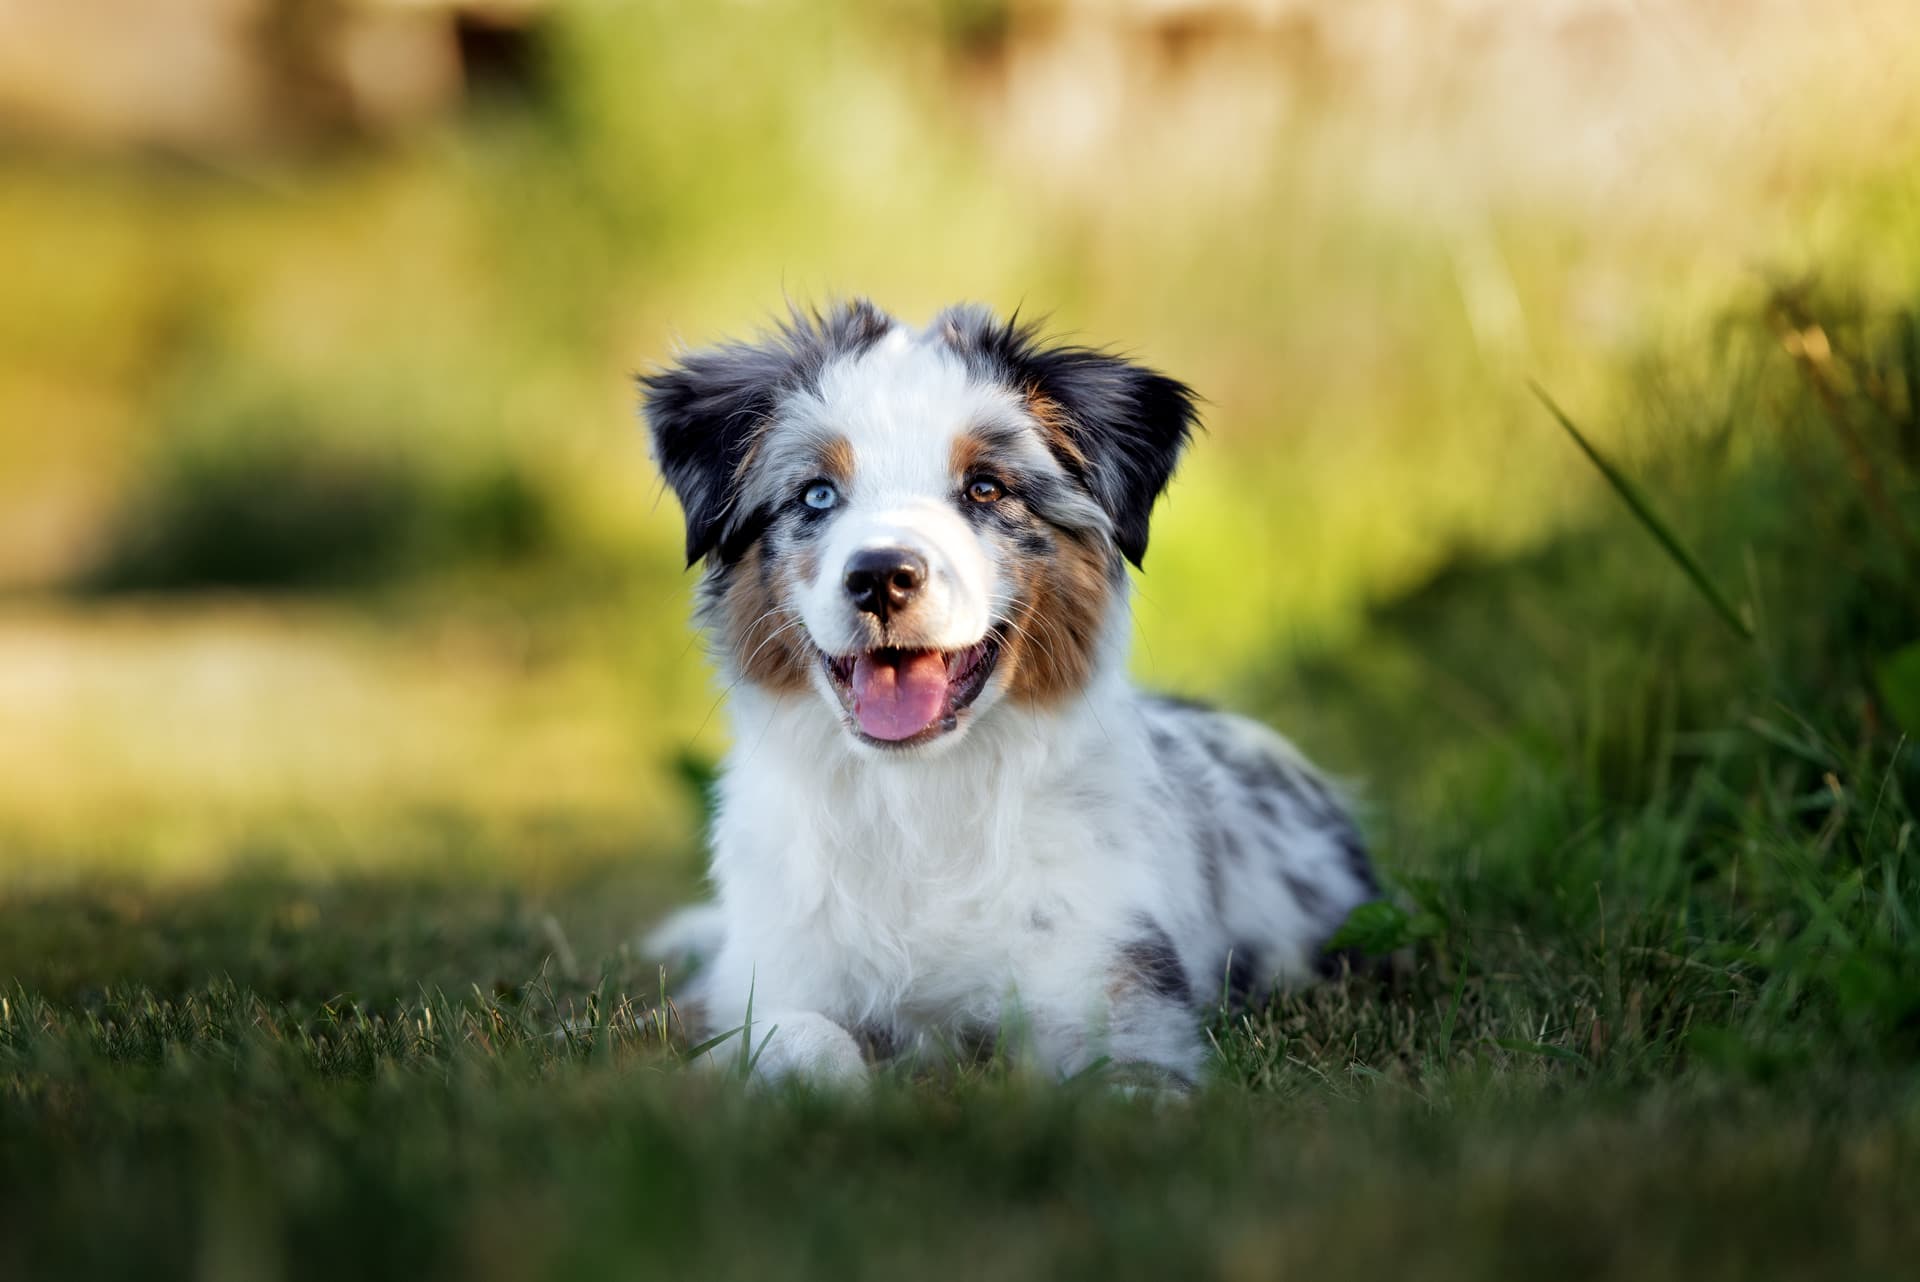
(1653, 1009)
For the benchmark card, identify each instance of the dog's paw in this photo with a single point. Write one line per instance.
(805, 1046)
(793, 1046)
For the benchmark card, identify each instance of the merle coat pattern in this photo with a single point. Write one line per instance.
(947, 814)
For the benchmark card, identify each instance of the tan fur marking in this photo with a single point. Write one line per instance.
(754, 627)
(969, 452)
(751, 455)
(1052, 421)
(836, 459)
(1062, 607)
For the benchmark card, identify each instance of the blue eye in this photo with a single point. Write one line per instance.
(820, 496)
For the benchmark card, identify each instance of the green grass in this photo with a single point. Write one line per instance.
(223, 1138)
(1653, 1008)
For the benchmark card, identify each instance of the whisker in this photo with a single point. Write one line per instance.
(735, 684)
(771, 637)
(1030, 613)
(1027, 613)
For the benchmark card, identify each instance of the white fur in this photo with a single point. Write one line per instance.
(900, 407)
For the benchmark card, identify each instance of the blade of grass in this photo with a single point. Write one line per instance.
(1642, 510)
(1544, 1050)
(693, 1053)
(746, 1034)
(1453, 1015)
(601, 1052)
(759, 1051)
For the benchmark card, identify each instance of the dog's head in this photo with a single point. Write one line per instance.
(916, 525)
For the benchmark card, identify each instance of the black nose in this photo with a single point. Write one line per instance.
(881, 580)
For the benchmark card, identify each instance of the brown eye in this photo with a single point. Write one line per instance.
(984, 489)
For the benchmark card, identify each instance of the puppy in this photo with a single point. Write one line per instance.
(947, 817)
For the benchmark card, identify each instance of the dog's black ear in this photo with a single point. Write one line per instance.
(1129, 424)
(1119, 426)
(706, 412)
(703, 414)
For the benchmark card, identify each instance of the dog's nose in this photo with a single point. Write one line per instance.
(881, 580)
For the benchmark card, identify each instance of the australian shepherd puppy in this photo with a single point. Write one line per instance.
(947, 817)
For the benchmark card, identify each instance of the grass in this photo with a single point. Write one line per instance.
(1656, 1011)
(384, 1147)
(349, 729)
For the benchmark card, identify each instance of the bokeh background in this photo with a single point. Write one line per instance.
(327, 535)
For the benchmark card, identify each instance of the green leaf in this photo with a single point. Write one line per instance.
(1381, 926)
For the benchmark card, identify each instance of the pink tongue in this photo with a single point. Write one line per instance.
(899, 700)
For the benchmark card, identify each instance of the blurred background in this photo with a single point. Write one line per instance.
(327, 534)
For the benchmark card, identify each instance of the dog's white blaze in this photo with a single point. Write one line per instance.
(900, 406)
(954, 610)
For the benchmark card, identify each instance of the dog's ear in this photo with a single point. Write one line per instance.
(1126, 422)
(706, 412)
(703, 414)
(1115, 425)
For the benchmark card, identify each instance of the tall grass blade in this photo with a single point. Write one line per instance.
(693, 1053)
(1637, 503)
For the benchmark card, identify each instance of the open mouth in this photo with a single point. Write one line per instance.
(900, 698)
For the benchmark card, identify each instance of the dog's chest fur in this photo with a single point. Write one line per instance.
(928, 895)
